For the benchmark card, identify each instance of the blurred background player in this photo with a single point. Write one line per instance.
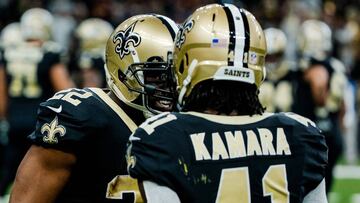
(92, 34)
(10, 37)
(33, 69)
(223, 147)
(276, 92)
(321, 86)
(78, 146)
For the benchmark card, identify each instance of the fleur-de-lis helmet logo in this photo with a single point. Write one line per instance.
(124, 39)
(186, 27)
(52, 130)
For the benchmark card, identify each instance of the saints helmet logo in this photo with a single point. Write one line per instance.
(124, 39)
(180, 38)
(52, 130)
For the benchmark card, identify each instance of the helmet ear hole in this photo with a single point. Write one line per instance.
(184, 60)
(181, 68)
(155, 59)
(121, 76)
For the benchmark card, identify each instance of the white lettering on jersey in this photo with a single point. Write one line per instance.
(281, 143)
(234, 146)
(266, 139)
(219, 149)
(253, 146)
(201, 151)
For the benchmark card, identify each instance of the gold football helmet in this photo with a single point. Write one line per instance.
(93, 34)
(276, 65)
(11, 35)
(137, 62)
(36, 24)
(315, 39)
(219, 42)
(275, 41)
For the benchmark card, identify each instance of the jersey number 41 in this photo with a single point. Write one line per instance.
(235, 185)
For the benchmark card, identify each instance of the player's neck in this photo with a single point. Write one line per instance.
(136, 115)
(214, 112)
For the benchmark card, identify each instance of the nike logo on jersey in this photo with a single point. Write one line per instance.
(56, 110)
(133, 138)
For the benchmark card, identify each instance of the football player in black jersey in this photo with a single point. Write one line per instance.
(9, 37)
(33, 70)
(276, 92)
(78, 151)
(92, 34)
(222, 147)
(321, 88)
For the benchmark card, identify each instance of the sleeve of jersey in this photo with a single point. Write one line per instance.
(55, 53)
(315, 158)
(55, 57)
(149, 156)
(59, 126)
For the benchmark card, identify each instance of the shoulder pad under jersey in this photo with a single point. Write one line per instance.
(66, 119)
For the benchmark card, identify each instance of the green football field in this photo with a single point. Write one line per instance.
(346, 188)
(345, 191)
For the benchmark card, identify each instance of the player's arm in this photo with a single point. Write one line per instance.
(4, 126)
(41, 175)
(60, 77)
(318, 195)
(3, 94)
(91, 78)
(318, 79)
(154, 193)
(58, 73)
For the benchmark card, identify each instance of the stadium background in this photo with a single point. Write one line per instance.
(341, 15)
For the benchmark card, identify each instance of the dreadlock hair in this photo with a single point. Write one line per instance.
(224, 97)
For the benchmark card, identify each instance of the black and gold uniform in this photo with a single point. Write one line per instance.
(329, 117)
(27, 70)
(276, 93)
(269, 158)
(89, 124)
(27, 73)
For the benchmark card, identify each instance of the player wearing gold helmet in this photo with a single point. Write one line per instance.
(223, 147)
(81, 134)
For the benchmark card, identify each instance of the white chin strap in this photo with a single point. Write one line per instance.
(187, 81)
(264, 75)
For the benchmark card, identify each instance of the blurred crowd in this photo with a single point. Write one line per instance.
(304, 33)
(341, 15)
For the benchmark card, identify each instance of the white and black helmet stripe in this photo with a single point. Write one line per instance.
(247, 35)
(171, 25)
(231, 46)
(239, 41)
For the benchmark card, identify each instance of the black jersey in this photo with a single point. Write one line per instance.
(277, 91)
(89, 124)
(211, 158)
(327, 117)
(94, 61)
(28, 81)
